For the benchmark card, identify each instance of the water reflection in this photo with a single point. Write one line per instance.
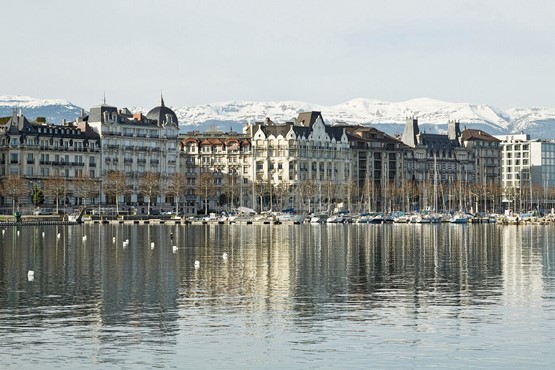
(305, 290)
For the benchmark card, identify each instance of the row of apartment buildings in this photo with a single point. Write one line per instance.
(268, 165)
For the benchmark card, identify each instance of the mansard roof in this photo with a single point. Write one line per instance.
(335, 132)
(19, 125)
(370, 134)
(276, 130)
(158, 116)
(478, 135)
(307, 119)
(435, 142)
(162, 114)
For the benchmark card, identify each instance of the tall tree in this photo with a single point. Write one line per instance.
(207, 188)
(231, 189)
(149, 186)
(55, 187)
(86, 187)
(307, 189)
(12, 187)
(177, 187)
(115, 186)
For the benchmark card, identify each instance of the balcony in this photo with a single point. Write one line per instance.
(128, 160)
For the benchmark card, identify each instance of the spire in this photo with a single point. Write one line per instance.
(104, 98)
(161, 100)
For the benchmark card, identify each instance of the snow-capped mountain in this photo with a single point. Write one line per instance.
(433, 115)
(54, 110)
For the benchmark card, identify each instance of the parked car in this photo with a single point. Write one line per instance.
(42, 211)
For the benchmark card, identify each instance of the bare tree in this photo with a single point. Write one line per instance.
(55, 187)
(207, 188)
(177, 187)
(281, 191)
(329, 191)
(231, 188)
(308, 189)
(115, 185)
(149, 186)
(12, 187)
(86, 187)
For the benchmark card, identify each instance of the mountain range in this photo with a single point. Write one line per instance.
(433, 115)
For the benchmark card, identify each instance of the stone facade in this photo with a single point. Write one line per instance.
(38, 152)
(135, 145)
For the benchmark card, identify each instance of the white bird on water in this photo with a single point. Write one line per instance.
(197, 264)
(224, 256)
(59, 235)
(114, 239)
(30, 275)
(152, 245)
(43, 234)
(175, 248)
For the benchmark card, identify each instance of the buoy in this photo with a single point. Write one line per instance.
(43, 234)
(171, 235)
(224, 256)
(17, 232)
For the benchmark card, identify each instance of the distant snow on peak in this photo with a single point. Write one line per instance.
(355, 111)
(431, 113)
(54, 110)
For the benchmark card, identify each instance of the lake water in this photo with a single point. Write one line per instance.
(287, 296)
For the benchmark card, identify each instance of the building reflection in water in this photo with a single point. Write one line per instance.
(280, 275)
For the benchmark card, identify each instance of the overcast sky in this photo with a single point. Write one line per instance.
(498, 52)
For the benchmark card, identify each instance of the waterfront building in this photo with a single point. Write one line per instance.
(439, 166)
(377, 161)
(217, 170)
(138, 147)
(301, 164)
(486, 151)
(60, 163)
(528, 170)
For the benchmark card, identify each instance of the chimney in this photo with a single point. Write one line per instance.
(411, 130)
(453, 130)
